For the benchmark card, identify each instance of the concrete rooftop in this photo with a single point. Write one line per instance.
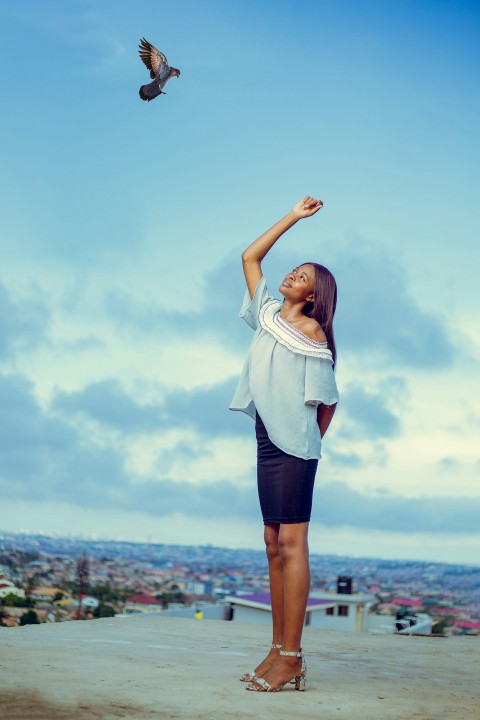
(154, 668)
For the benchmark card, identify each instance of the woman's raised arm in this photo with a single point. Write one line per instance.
(254, 254)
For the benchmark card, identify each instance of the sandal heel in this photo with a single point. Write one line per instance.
(300, 682)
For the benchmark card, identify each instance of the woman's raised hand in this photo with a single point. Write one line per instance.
(306, 207)
(254, 254)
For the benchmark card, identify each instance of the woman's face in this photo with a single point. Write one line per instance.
(298, 285)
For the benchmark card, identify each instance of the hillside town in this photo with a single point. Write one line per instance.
(53, 579)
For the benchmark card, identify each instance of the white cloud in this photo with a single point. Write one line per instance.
(231, 459)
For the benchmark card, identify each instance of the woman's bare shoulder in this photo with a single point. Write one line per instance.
(312, 329)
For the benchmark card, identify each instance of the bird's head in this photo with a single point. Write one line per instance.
(175, 72)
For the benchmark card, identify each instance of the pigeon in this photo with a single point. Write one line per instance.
(160, 70)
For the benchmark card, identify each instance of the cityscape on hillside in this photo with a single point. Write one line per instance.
(53, 579)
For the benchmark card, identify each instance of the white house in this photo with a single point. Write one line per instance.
(7, 587)
(349, 611)
(332, 611)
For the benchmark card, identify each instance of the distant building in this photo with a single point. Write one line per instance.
(199, 587)
(332, 611)
(87, 601)
(45, 592)
(443, 610)
(406, 602)
(466, 627)
(7, 587)
(141, 602)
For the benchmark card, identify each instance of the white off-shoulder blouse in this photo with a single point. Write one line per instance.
(285, 376)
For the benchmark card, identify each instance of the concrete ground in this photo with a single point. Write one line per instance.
(147, 668)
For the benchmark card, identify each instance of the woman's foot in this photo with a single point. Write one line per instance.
(283, 670)
(264, 666)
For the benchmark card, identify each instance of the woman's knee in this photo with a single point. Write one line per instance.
(292, 542)
(270, 536)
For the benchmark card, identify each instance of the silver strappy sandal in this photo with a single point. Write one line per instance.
(298, 679)
(251, 677)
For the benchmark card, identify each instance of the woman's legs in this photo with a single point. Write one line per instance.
(291, 568)
(293, 545)
(275, 571)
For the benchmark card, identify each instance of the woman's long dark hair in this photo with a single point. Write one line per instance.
(322, 309)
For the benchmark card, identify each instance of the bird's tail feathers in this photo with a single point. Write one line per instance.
(150, 91)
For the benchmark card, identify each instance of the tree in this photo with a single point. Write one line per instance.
(440, 626)
(12, 600)
(30, 584)
(103, 610)
(166, 598)
(29, 618)
(105, 593)
(82, 580)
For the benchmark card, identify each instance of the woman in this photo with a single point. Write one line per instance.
(287, 385)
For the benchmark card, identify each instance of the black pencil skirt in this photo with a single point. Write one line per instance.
(285, 482)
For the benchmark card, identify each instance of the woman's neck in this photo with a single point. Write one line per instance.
(292, 311)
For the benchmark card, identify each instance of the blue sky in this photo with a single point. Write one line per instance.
(120, 283)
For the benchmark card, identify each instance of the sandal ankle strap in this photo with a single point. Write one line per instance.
(276, 647)
(291, 654)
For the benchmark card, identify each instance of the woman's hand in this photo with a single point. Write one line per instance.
(307, 207)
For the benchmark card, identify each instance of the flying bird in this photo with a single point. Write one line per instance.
(160, 70)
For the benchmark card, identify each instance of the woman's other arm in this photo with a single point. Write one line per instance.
(254, 254)
(325, 414)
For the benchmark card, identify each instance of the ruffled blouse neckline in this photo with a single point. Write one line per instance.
(288, 335)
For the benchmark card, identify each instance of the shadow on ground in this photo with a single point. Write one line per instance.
(28, 705)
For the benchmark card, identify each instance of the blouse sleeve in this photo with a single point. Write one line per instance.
(320, 385)
(251, 306)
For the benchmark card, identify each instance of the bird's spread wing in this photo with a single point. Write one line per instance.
(152, 57)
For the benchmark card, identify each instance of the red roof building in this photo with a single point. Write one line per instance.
(141, 602)
(143, 599)
(408, 602)
(467, 624)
